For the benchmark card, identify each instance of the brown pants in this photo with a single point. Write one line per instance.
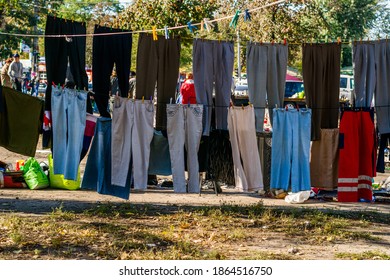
(325, 160)
(157, 61)
(321, 77)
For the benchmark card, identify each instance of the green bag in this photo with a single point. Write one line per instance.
(34, 176)
(58, 180)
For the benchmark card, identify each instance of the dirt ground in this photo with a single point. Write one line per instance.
(25, 203)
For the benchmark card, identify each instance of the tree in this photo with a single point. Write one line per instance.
(144, 14)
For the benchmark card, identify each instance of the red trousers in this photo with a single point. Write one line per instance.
(357, 158)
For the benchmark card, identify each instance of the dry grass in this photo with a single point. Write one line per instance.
(124, 231)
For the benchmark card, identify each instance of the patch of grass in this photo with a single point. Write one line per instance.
(59, 213)
(366, 255)
(269, 256)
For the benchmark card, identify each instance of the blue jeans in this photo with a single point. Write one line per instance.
(68, 120)
(290, 160)
(97, 175)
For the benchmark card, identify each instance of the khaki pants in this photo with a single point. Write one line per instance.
(324, 160)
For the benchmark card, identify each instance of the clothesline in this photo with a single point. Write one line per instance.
(138, 31)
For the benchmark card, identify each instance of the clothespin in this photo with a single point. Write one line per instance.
(284, 41)
(155, 38)
(242, 106)
(286, 107)
(143, 100)
(247, 16)
(170, 100)
(191, 27)
(276, 106)
(234, 21)
(53, 84)
(166, 32)
(202, 26)
(297, 107)
(250, 104)
(209, 26)
(189, 103)
(338, 40)
(151, 99)
(59, 85)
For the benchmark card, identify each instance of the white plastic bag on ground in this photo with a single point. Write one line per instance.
(298, 197)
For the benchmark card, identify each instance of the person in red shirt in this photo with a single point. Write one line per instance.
(187, 90)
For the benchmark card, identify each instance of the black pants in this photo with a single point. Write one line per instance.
(59, 50)
(16, 85)
(321, 77)
(157, 61)
(108, 50)
(384, 141)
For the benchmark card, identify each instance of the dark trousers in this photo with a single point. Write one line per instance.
(157, 61)
(321, 76)
(16, 85)
(384, 141)
(108, 50)
(59, 50)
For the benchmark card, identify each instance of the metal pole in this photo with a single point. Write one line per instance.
(34, 61)
(238, 55)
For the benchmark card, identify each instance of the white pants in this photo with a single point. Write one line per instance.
(132, 133)
(184, 127)
(242, 132)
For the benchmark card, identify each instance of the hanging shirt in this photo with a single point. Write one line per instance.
(187, 92)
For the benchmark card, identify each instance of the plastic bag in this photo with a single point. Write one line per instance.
(34, 176)
(298, 197)
(58, 180)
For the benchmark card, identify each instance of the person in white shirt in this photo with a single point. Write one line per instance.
(15, 72)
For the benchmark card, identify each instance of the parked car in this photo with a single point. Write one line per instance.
(346, 87)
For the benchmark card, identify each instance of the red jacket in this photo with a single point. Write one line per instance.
(187, 92)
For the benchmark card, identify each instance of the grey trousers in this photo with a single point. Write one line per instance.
(266, 70)
(382, 89)
(132, 132)
(247, 168)
(364, 73)
(213, 63)
(184, 128)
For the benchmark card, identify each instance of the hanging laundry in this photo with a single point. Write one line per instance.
(108, 50)
(321, 78)
(160, 160)
(184, 128)
(97, 175)
(290, 165)
(357, 146)
(247, 168)
(324, 161)
(266, 72)
(157, 61)
(364, 74)
(59, 52)
(213, 63)
(68, 121)
(132, 133)
(20, 121)
(382, 86)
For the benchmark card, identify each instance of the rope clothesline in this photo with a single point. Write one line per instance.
(136, 31)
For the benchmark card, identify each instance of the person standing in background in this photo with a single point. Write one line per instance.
(5, 78)
(187, 90)
(132, 83)
(15, 71)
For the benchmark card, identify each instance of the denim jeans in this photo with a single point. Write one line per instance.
(132, 133)
(68, 121)
(242, 132)
(159, 160)
(291, 149)
(97, 175)
(184, 128)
